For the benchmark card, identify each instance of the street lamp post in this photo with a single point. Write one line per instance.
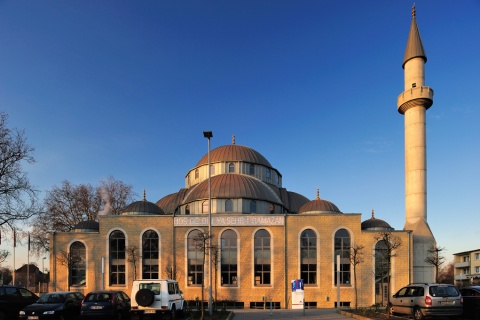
(208, 135)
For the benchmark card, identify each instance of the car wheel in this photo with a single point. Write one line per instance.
(174, 312)
(417, 314)
(390, 309)
(144, 297)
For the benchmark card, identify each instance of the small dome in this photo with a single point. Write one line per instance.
(319, 206)
(229, 185)
(375, 224)
(142, 207)
(87, 226)
(234, 152)
(296, 201)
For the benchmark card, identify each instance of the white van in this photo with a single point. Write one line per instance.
(155, 299)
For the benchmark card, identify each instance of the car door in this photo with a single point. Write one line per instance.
(398, 299)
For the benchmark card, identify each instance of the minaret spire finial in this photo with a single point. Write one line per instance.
(233, 139)
(318, 194)
(373, 214)
(413, 11)
(144, 195)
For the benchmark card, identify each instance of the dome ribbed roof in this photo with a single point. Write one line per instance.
(230, 186)
(171, 202)
(142, 207)
(375, 224)
(87, 226)
(319, 206)
(296, 201)
(234, 152)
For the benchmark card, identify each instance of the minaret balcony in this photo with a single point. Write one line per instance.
(413, 97)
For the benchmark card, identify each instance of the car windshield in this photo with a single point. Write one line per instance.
(98, 297)
(155, 287)
(443, 291)
(52, 298)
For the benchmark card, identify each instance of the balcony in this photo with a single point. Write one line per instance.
(463, 276)
(465, 264)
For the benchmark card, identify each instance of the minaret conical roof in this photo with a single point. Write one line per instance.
(414, 44)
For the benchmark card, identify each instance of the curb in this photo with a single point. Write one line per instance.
(353, 315)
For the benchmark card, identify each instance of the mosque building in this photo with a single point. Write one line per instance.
(264, 235)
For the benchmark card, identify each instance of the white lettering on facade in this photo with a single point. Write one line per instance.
(231, 221)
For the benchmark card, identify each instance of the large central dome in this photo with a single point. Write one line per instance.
(234, 152)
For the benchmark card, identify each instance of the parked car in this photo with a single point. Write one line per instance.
(54, 305)
(13, 299)
(471, 302)
(427, 300)
(156, 299)
(113, 305)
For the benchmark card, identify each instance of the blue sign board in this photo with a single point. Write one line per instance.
(297, 285)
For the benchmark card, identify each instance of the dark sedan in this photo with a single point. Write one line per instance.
(111, 305)
(54, 305)
(471, 302)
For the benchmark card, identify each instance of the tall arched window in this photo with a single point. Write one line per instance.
(195, 257)
(262, 257)
(271, 208)
(212, 170)
(253, 206)
(77, 263)
(196, 174)
(228, 205)
(150, 245)
(342, 248)
(268, 173)
(229, 258)
(205, 206)
(187, 209)
(117, 258)
(251, 169)
(381, 271)
(231, 168)
(308, 256)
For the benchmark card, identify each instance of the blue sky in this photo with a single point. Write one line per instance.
(126, 88)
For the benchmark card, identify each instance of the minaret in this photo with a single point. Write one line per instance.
(413, 104)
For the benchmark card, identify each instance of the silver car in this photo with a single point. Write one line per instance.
(427, 300)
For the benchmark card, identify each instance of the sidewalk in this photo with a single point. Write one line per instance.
(310, 314)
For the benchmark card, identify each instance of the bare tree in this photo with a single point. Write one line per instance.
(6, 275)
(133, 256)
(436, 259)
(70, 260)
(391, 243)
(116, 195)
(69, 204)
(356, 258)
(446, 274)
(171, 272)
(215, 256)
(201, 241)
(18, 198)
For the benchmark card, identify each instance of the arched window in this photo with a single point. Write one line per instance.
(117, 257)
(212, 170)
(381, 271)
(195, 257)
(229, 259)
(262, 257)
(205, 206)
(253, 206)
(150, 245)
(308, 256)
(196, 174)
(77, 263)
(251, 169)
(268, 173)
(342, 248)
(231, 168)
(187, 209)
(228, 205)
